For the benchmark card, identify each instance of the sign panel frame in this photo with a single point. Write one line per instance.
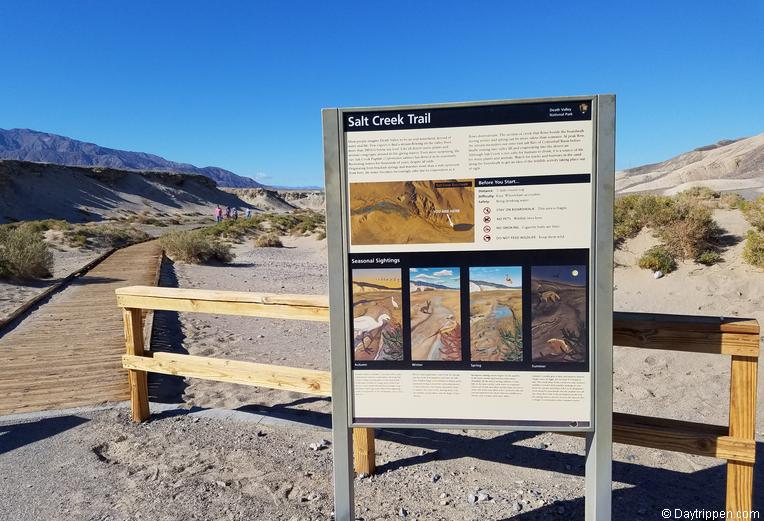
(599, 311)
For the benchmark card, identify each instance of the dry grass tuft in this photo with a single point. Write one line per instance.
(195, 247)
(269, 240)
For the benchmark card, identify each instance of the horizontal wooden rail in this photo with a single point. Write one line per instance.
(658, 433)
(679, 436)
(307, 381)
(265, 305)
(696, 334)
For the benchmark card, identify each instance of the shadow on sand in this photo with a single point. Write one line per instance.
(167, 336)
(14, 436)
(89, 279)
(285, 411)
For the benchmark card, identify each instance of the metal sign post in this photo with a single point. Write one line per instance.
(599, 442)
(470, 257)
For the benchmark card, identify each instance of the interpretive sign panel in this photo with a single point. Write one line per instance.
(469, 233)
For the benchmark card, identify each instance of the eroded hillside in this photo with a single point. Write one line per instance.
(31, 191)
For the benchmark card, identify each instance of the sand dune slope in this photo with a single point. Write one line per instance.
(728, 165)
(38, 191)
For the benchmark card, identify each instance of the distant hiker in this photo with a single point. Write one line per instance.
(248, 213)
(218, 213)
(235, 213)
(227, 212)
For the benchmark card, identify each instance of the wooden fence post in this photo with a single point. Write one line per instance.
(742, 420)
(139, 388)
(363, 451)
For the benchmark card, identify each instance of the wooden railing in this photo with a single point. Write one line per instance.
(738, 338)
(134, 300)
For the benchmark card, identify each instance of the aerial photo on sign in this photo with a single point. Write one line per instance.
(412, 212)
(435, 314)
(559, 313)
(377, 317)
(496, 314)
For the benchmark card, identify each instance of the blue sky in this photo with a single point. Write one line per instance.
(448, 277)
(498, 275)
(240, 84)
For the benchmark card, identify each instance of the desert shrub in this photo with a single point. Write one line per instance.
(631, 213)
(308, 222)
(195, 247)
(753, 251)
(699, 193)
(708, 258)
(626, 222)
(151, 221)
(754, 212)
(42, 225)
(658, 258)
(103, 235)
(684, 225)
(283, 223)
(48, 224)
(730, 200)
(24, 253)
(76, 239)
(147, 218)
(321, 235)
(689, 230)
(296, 223)
(268, 240)
(235, 229)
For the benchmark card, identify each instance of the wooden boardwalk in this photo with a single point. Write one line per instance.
(67, 353)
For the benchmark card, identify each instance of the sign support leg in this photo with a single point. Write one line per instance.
(599, 444)
(599, 456)
(344, 504)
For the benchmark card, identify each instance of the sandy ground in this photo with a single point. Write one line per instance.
(299, 267)
(184, 465)
(685, 386)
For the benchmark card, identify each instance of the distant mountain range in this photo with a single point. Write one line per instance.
(724, 166)
(41, 147)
